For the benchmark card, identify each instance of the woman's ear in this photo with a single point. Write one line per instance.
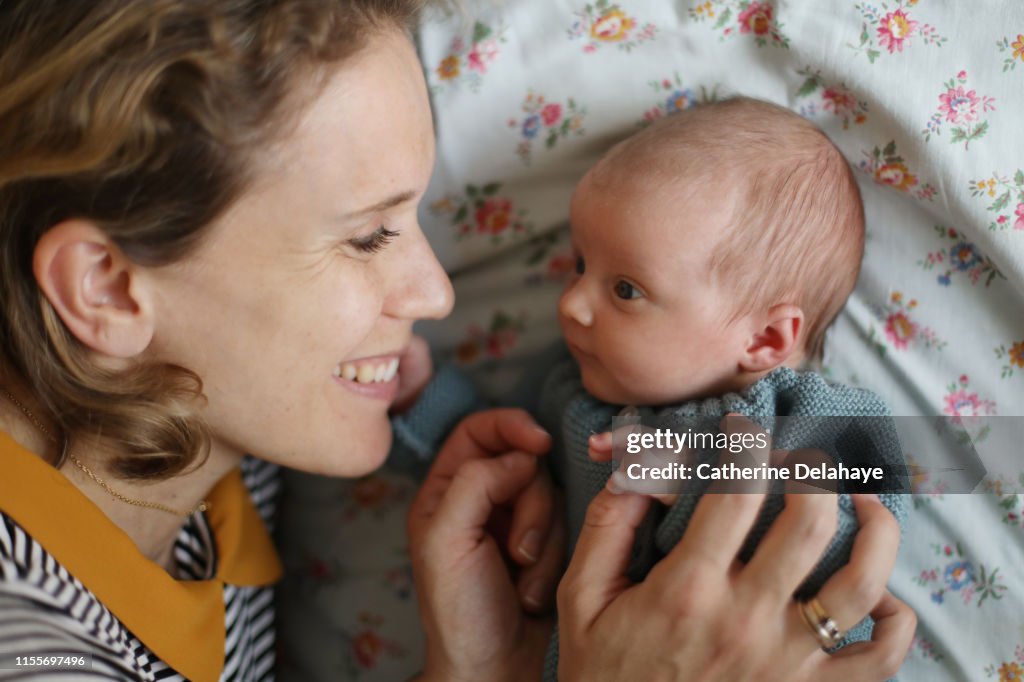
(97, 292)
(774, 339)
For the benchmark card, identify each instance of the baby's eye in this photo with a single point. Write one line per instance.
(626, 291)
(580, 265)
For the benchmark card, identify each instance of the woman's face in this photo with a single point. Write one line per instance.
(304, 280)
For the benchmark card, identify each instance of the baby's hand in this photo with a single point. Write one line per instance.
(414, 371)
(601, 447)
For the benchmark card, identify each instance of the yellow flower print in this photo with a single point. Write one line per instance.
(612, 26)
(707, 10)
(896, 297)
(449, 68)
(1011, 672)
(1017, 354)
(1018, 47)
(895, 175)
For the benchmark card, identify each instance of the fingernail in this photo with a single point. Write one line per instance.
(536, 592)
(512, 460)
(614, 485)
(529, 546)
(600, 439)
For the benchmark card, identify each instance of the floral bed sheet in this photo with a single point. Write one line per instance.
(924, 97)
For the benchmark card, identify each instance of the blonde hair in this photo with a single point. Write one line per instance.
(145, 118)
(797, 235)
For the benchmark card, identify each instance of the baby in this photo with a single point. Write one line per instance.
(713, 250)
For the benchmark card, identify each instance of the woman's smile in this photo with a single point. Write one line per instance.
(375, 377)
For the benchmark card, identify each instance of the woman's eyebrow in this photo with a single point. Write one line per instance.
(384, 205)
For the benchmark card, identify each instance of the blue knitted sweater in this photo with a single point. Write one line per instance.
(571, 416)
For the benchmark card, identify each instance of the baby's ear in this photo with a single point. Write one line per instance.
(774, 339)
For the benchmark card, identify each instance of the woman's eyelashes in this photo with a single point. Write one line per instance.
(380, 238)
(626, 291)
(580, 265)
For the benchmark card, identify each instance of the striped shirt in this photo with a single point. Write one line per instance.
(46, 610)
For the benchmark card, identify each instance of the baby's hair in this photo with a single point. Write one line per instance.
(797, 235)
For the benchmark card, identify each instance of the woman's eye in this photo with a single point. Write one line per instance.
(580, 265)
(380, 238)
(626, 291)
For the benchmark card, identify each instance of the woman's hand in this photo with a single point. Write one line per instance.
(486, 541)
(700, 614)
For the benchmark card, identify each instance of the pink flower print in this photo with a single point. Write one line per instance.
(838, 101)
(482, 54)
(900, 329)
(561, 265)
(961, 403)
(894, 29)
(959, 105)
(1019, 224)
(652, 115)
(756, 18)
(551, 114)
(494, 216)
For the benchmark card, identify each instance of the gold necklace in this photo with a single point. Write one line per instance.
(201, 507)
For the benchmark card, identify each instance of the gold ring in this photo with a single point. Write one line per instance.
(821, 624)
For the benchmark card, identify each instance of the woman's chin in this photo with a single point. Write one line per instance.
(348, 458)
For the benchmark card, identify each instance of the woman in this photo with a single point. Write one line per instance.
(210, 247)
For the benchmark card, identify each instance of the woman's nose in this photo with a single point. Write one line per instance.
(424, 290)
(574, 304)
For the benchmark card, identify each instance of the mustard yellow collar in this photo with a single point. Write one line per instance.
(182, 622)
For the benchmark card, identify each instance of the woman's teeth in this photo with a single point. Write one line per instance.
(367, 372)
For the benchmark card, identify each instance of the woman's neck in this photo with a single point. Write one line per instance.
(152, 530)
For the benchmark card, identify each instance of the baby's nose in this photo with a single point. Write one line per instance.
(574, 305)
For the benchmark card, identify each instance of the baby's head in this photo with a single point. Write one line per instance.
(712, 247)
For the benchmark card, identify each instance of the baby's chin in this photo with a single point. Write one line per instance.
(613, 392)
(610, 392)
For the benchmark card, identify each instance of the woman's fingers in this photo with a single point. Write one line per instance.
(599, 446)
(480, 435)
(532, 519)
(723, 517)
(597, 571)
(477, 488)
(895, 624)
(859, 585)
(537, 582)
(489, 433)
(793, 545)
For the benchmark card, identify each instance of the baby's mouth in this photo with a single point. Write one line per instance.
(369, 371)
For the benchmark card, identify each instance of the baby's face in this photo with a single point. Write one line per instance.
(642, 316)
